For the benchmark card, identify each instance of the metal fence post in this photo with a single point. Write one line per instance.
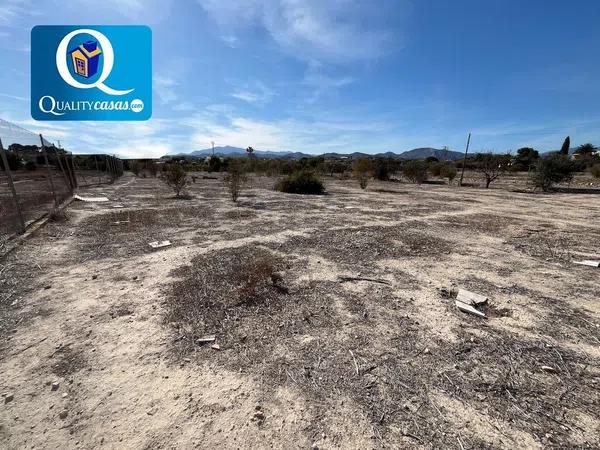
(12, 187)
(75, 170)
(67, 182)
(70, 173)
(98, 169)
(49, 171)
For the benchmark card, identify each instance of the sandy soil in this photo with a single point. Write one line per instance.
(360, 345)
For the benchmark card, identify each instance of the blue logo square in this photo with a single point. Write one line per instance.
(91, 72)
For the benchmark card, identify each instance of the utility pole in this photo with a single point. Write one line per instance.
(462, 174)
(213, 147)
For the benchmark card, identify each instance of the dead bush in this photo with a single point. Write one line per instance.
(58, 215)
(235, 179)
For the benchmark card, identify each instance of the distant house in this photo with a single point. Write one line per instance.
(85, 59)
(576, 156)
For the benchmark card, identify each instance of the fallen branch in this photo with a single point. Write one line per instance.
(355, 364)
(29, 346)
(372, 280)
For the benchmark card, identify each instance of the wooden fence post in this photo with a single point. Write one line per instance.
(12, 187)
(49, 171)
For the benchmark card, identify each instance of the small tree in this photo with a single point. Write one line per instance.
(176, 178)
(595, 170)
(448, 171)
(362, 169)
(415, 171)
(235, 179)
(525, 159)
(491, 166)
(564, 150)
(250, 151)
(214, 164)
(554, 168)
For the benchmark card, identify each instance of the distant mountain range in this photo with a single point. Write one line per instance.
(417, 153)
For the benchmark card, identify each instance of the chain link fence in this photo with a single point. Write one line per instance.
(37, 177)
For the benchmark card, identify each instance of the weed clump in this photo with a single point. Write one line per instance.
(303, 182)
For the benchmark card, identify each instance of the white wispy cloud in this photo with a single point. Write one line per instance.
(164, 87)
(324, 30)
(254, 93)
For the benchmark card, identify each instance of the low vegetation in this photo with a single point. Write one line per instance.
(304, 182)
(415, 171)
(362, 169)
(595, 171)
(553, 169)
(176, 178)
(235, 179)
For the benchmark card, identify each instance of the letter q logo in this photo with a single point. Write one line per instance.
(109, 60)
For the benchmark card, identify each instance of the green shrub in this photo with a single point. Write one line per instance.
(302, 182)
(555, 168)
(435, 168)
(448, 171)
(415, 171)
(30, 166)
(595, 170)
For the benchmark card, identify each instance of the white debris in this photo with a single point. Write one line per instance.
(468, 309)
(159, 244)
(90, 199)
(118, 206)
(471, 298)
(588, 262)
(207, 339)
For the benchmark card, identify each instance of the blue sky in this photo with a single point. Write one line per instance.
(335, 75)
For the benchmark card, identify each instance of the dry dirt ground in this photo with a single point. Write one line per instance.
(334, 316)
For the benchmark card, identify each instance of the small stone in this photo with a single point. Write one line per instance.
(63, 414)
(8, 397)
(65, 395)
(427, 351)
(259, 415)
(215, 347)
(47, 286)
(55, 385)
(314, 447)
(94, 277)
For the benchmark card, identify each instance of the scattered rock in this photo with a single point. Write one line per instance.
(94, 277)
(63, 414)
(215, 347)
(55, 385)
(549, 369)
(259, 415)
(8, 397)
